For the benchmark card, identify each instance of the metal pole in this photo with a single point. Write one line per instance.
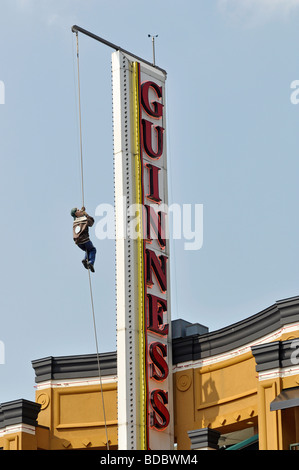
(153, 42)
(76, 28)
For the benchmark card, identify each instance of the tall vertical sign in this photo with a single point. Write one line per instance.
(145, 417)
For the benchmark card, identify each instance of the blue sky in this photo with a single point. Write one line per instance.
(232, 146)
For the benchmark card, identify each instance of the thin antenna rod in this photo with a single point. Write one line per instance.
(153, 42)
(76, 29)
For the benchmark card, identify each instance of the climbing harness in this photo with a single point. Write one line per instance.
(89, 277)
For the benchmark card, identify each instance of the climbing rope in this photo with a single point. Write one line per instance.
(98, 357)
(80, 120)
(89, 277)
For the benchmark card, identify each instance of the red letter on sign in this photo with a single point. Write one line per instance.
(156, 309)
(153, 183)
(156, 221)
(147, 139)
(158, 265)
(157, 352)
(157, 108)
(158, 399)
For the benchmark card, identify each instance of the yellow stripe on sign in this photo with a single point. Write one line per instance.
(141, 313)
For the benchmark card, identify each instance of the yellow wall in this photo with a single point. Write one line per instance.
(222, 396)
(277, 429)
(75, 416)
(11, 441)
(18, 441)
(228, 396)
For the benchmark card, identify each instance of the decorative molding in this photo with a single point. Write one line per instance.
(276, 355)
(183, 382)
(72, 367)
(204, 438)
(19, 412)
(279, 373)
(16, 429)
(85, 382)
(250, 336)
(232, 338)
(43, 399)
(267, 356)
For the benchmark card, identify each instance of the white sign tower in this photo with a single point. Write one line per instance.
(145, 417)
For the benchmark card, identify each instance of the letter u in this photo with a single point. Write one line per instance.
(147, 139)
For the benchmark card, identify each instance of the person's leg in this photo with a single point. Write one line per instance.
(83, 247)
(91, 250)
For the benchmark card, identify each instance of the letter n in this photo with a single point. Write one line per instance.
(155, 222)
(158, 265)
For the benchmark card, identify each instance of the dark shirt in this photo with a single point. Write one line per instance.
(80, 229)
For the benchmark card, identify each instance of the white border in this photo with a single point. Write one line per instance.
(75, 382)
(16, 428)
(278, 373)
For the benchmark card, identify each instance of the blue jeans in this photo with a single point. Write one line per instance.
(90, 251)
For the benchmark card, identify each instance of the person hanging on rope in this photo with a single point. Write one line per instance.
(81, 224)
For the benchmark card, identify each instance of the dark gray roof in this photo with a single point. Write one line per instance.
(197, 346)
(19, 412)
(70, 367)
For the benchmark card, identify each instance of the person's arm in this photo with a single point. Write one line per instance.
(90, 220)
(82, 212)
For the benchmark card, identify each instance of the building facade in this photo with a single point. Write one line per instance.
(235, 388)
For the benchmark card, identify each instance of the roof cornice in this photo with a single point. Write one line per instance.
(71, 367)
(19, 412)
(244, 332)
(188, 348)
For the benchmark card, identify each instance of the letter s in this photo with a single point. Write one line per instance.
(159, 367)
(160, 416)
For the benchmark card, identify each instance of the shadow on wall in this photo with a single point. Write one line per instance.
(208, 401)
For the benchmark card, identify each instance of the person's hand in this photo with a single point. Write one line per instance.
(80, 213)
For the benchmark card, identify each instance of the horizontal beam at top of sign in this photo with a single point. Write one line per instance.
(76, 28)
